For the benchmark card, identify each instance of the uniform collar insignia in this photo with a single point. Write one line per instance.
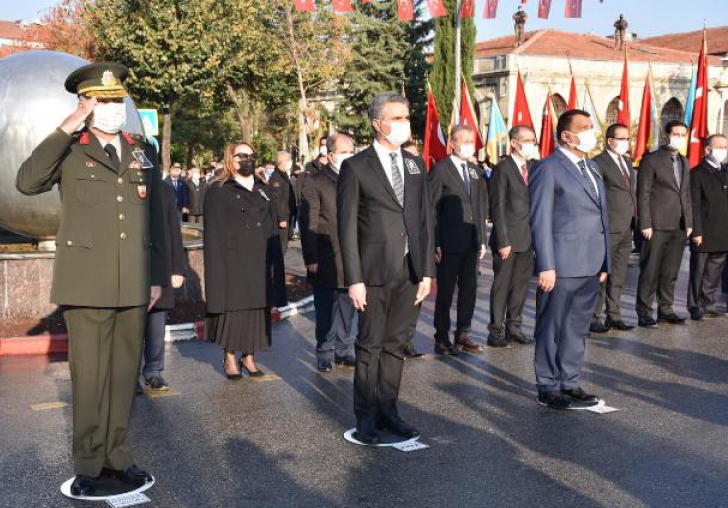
(128, 138)
(85, 138)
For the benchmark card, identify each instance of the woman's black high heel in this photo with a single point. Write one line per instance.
(254, 373)
(231, 377)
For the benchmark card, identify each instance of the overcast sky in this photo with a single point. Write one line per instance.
(646, 17)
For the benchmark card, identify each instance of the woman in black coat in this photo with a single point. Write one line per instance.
(241, 235)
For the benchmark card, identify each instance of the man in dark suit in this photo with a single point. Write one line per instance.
(460, 200)
(510, 240)
(387, 247)
(196, 189)
(619, 183)
(322, 255)
(321, 160)
(284, 195)
(175, 181)
(570, 231)
(666, 220)
(709, 189)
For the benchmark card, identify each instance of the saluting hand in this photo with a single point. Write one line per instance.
(78, 117)
(358, 296)
(423, 290)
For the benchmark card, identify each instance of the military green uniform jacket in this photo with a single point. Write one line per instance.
(111, 240)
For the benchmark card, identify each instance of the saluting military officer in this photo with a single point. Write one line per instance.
(110, 263)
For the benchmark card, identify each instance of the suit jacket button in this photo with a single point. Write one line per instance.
(70, 243)
(122, 236)
(120, 181)
(121, 216)
(119, 199)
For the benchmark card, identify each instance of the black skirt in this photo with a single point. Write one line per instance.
(247, 331)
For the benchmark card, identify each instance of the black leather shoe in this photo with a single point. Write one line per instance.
(619, 325)
(646, 322)
(133, 475)
(397, 426)
(366, 432)
(496, 341)
(409, 351)
(444, 348)
(157, 384)
(697, 316)
(521, 339)
(598, 328)
(347, 361)
(83, 486)
(672, 319)
(324, 366)
(579, 395)
(554, 400)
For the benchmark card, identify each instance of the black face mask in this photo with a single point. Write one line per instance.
(247, 168)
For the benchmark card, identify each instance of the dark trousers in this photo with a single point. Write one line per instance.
(455, 269)
(706, 271)
(105, 347)
(154, 344)
(509, 291)
(383, 329)
(283, 233)
(334, 317)
(659, 267)
(562, 324)
(277, 272)
(196, 219)
(611, 289)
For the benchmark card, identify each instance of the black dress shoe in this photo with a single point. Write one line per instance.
(521, 339)
(157, 384)
(598, 328)
(496, 341)
(646, 322)
(554, 400)
(347, 361)
(133, 475)
(366, 432)
(445, 348)
(697, 316)
(579, 395)
(324, 366)
(619, 325)
(409, 351)
(83, 486)
(397, 426)
(672, 319)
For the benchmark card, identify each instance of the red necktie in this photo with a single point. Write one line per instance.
(524, 174)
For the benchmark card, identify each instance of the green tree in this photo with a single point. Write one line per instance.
(443, 71)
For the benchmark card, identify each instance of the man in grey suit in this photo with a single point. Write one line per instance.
(570, 232)
(619, 183)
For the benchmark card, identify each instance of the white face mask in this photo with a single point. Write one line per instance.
(399, 133)
(678, 143)
(340, 158)
(587, 141)
(323, 151)
(622, 147)
(466, 151)
(718, 155)
(109, 117)
(528, 151)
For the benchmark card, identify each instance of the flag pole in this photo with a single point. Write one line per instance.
(458, 51)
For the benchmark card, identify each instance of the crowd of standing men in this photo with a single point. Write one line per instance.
(377, 228)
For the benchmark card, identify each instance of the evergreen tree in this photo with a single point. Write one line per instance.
(443, 72)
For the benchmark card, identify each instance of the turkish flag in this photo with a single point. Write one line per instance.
(572, 94)
(406, 10)
(468, 9)
(573, 9)
(544, 7)
(306, 5)
(435, 143)
(491, 6)
(624, 115)
(467, 115)
(699, 124)
(548, 143)
(436, 8)
(342, 6)
(521, 111)
(645, 126)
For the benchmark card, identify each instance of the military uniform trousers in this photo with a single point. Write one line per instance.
(384, 327)
(105, 346)
(455, 269)
(510, 289)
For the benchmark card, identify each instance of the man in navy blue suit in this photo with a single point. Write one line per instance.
(571, 238)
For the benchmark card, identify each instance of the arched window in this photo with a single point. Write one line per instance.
(612, 111)
(560, 105)
(672, 110)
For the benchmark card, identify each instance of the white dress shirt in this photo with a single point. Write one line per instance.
(459, 164)
(575, 159)
(116, 143)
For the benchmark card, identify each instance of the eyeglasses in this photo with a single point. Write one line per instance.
(246, 156)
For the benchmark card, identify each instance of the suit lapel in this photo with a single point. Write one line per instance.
(456, 180)
(576, 173)
(667, 161)
(514, 167)
(609, 165)
(379, 171)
